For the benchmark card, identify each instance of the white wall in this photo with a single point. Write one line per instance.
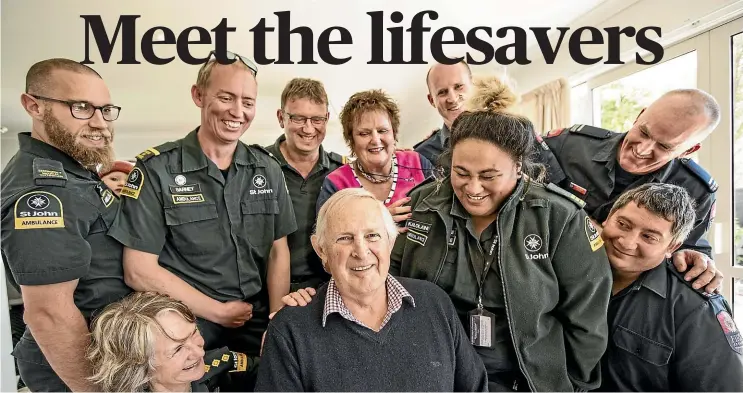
(678, 19)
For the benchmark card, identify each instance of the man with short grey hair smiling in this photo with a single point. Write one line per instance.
(664, 335)
(366, 330)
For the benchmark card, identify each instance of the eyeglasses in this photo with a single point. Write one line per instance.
(299, 120)
(232, 57)
(84, 110)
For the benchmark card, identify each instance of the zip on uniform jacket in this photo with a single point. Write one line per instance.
(522, 368)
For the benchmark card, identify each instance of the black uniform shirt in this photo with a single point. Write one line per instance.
(55, 215)
(434, 145)
(666, 336)
(212, 232)
(304, 192)
(583, 161)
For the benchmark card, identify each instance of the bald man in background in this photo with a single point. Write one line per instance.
(448, 88)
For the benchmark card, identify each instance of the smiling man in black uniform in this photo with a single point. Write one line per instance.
(664, 335)
(597, 165)
(55, 214)
(205, 219)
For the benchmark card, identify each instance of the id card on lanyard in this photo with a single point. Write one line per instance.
(482, 329)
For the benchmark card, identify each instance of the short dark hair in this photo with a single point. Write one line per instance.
(668, 201)
(39, 76)
(298, 88)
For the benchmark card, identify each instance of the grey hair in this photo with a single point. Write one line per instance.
(668, 201)
(336, 204)
(122, 341)
(699, 101)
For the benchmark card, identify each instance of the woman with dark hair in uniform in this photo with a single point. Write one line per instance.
(521, 261)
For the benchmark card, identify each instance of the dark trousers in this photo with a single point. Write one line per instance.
(33, 367)
(40, 378)
(245, 339)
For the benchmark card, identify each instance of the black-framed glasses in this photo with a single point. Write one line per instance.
(83, 110)
(299, 120)
(231, 56)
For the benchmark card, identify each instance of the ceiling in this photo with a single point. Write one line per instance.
(156, 98)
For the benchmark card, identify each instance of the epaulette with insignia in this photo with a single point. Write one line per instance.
(343, 160)
(223, 360)
(557, 190)
(49, 172)
(155, 151)
(699, 172)
(594, 132)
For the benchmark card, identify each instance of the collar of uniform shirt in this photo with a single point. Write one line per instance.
(323, 158)
(655, 279)
(395, 294)
(444, 134)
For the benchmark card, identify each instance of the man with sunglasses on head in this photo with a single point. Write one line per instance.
(204, 219)
(304, 117)
(55, 215)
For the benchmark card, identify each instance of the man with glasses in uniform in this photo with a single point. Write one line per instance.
(304, 117)
(55, 215)
(204, 219)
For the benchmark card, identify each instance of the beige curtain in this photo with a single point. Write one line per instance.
(547, 106)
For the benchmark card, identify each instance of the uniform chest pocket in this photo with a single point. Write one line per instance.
(642, 347)
(258, 220)
(186, 214)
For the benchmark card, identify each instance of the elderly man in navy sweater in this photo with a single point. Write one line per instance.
(366, 330)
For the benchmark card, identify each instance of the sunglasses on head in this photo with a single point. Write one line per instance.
(231, 56)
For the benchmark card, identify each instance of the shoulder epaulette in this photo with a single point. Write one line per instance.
(594, 132)
(557, 190)
(434, 132)
(49, 172)
(262, 149)
(155, 151)
(218, 361)
(673, 271)
(343, 160)
(699, 172)
(266, 152)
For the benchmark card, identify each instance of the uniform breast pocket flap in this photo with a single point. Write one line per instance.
(260, 206)
(184, 214)
(644, 348)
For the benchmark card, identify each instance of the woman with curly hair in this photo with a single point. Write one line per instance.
(370, 121)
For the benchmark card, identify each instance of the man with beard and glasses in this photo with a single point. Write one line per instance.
(205, 219)
(449, 86)
(55, 215)
(598, 165)
(304, 117)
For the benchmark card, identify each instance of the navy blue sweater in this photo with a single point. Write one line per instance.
(422, 348)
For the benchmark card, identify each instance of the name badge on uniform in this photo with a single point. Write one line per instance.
(482, 329)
